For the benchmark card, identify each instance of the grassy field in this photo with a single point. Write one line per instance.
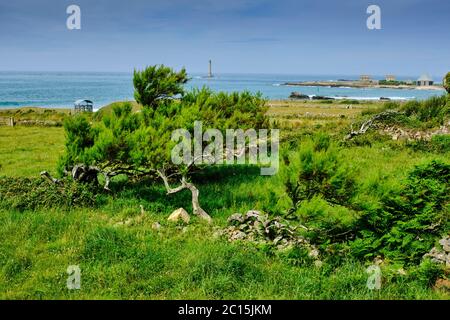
(122, 255)
(26, 151)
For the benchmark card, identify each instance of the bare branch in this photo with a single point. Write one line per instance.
(370, 123)
(194, 191)
(46, 175)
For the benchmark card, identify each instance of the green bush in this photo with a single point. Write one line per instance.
(433, 110)
(392, 82)
(438, 144)
(140, 143)
(326, 222)
(317, 170)
(36, 193)
(349, 101)
(155, 84)
(403, 225)
(446, 82)
(427, 272)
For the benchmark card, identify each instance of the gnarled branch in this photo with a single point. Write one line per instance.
(194, 191)
(370, 123)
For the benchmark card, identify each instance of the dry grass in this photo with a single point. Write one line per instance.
(333, 109)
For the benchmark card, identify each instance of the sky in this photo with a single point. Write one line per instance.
(323, 37)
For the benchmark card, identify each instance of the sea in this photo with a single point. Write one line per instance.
(61, 89)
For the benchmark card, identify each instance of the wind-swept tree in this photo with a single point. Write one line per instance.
(140, 143)
(446, 82)
(157, 83)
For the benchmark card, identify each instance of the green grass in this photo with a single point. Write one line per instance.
(26, 151)
(122, 257)
(137, 262)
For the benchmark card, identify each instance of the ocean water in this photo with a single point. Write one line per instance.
(61, 89)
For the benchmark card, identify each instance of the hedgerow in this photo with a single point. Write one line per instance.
(400, 224)
(36, 193)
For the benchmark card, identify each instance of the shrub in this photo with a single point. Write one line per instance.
(156, 84)
(36, 193)
(404, 224)
(446, 82)
(349, 101)
(140, 144)
(317, 170)
(326, 223)
(427, 272)
(437, 144)
(433, 110)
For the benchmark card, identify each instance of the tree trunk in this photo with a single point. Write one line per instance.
(194, 191)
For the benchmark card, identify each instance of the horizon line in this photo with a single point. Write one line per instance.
(222, 73)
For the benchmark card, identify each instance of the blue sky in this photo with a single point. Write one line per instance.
(240, 36)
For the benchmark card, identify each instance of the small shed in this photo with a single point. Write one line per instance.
(425, 80)
(84, 106)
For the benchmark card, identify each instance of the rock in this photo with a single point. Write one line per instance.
(401, 272)
(235, 219)
(252, 215)
(436, 256)
(442, 284)
(123, 223)
(445, 243)
(237, 235)
(321, 98)
(378, 261)
(258, 228)
(314, 253)
(179, 214)
(156, 226)
(384, 99)
(299, 96)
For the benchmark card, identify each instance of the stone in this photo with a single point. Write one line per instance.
(235, 219)
(298, 95)
(318, 264)
(237, 235)
(438, 257)
(314, 253)
(445, 243)
(179, 214)
(156, 226)
(440, 254)
(442, 284)
(401, 272)
(252, 214)
(321, 98)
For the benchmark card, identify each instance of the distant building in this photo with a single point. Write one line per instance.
(390, 77)
(84, 106)
(425, 80)
(365, 78)
(210, 74)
